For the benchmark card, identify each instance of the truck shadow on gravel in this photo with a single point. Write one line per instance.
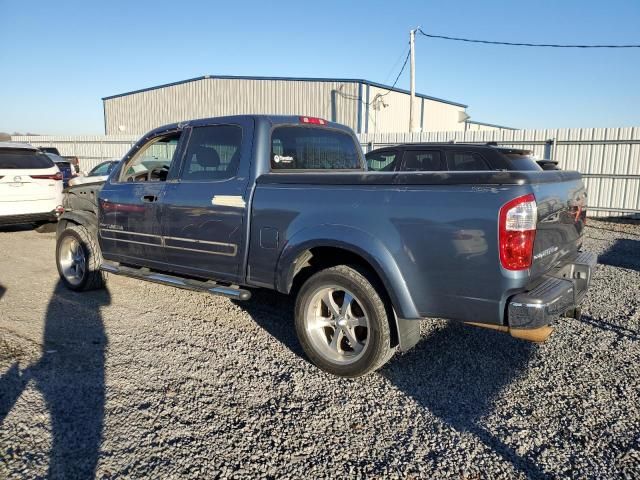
(620, 331)
(70, 376)
(624, 253)
(273, 312)
(456, 373)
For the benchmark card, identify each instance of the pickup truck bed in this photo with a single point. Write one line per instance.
(433, 233)
(286, 203)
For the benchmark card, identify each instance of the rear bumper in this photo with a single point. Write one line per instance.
(558, 294)
(13, 208)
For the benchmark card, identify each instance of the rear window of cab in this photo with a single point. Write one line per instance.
(19, 159)
(303, 148)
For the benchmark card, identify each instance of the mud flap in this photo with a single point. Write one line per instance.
(408, 333)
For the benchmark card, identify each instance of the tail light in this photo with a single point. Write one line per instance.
(313, 120)
(53, 176)
(517, 231)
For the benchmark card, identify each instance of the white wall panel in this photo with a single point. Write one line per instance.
(609, 158)
(612, 153)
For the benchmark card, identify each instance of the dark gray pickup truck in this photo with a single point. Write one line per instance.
(226, 205)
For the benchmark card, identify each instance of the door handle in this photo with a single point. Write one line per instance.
(149, 198)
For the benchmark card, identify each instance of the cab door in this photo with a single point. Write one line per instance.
(129, 202)
(204, 210)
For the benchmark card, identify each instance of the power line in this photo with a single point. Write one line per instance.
(393, 68)
(551, 45)
(388, 89)
(404, 65)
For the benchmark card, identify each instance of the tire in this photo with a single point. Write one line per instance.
(75, 246)
(342, 322)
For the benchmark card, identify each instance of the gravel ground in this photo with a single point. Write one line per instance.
(148, 381)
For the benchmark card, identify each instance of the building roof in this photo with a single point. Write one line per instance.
(474, 122)
(297, 79)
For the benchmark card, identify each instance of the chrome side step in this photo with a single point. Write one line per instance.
(214, 288)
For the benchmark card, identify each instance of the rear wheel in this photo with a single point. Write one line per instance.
(78, 259)
(342, 322)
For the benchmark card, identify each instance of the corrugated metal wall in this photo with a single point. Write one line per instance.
(388, 112)
(90, 149)
(344, 102)
(441, 116)
(214, 97)
(609, 158)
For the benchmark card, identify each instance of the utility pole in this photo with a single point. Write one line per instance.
(413, 126)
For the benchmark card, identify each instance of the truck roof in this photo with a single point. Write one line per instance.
(272, 119)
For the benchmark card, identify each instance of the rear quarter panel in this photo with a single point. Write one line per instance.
(442, 238)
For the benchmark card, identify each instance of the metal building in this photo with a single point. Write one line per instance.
(366, 107)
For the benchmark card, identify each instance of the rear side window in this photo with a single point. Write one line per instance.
(309, 148)
(213, 153)
(466, 162)
(382, 161)
(522, 162)
(422, 161)
(23, 159)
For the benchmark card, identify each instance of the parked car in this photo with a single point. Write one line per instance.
(53, 150)
(455, 157)
(30, 185)
(64, 166)
(286, 203)
(72, 159)
(97, 174)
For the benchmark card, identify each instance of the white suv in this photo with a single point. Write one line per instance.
(30, 185)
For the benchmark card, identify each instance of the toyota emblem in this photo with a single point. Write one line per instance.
(17, 178)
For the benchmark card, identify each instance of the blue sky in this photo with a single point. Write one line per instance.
(58, 59)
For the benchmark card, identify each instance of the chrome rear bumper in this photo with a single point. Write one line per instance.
(559, 294)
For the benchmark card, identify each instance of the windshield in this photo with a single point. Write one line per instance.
(102, 169)
(23, 159)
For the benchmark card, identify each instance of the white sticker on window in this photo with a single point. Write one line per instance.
(282, 158)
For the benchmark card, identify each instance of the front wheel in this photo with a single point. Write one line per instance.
(342, 322)
(78, 259)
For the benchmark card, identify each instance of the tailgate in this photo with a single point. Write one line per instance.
(561, 221)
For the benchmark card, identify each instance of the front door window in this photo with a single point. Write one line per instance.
(153, 161)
